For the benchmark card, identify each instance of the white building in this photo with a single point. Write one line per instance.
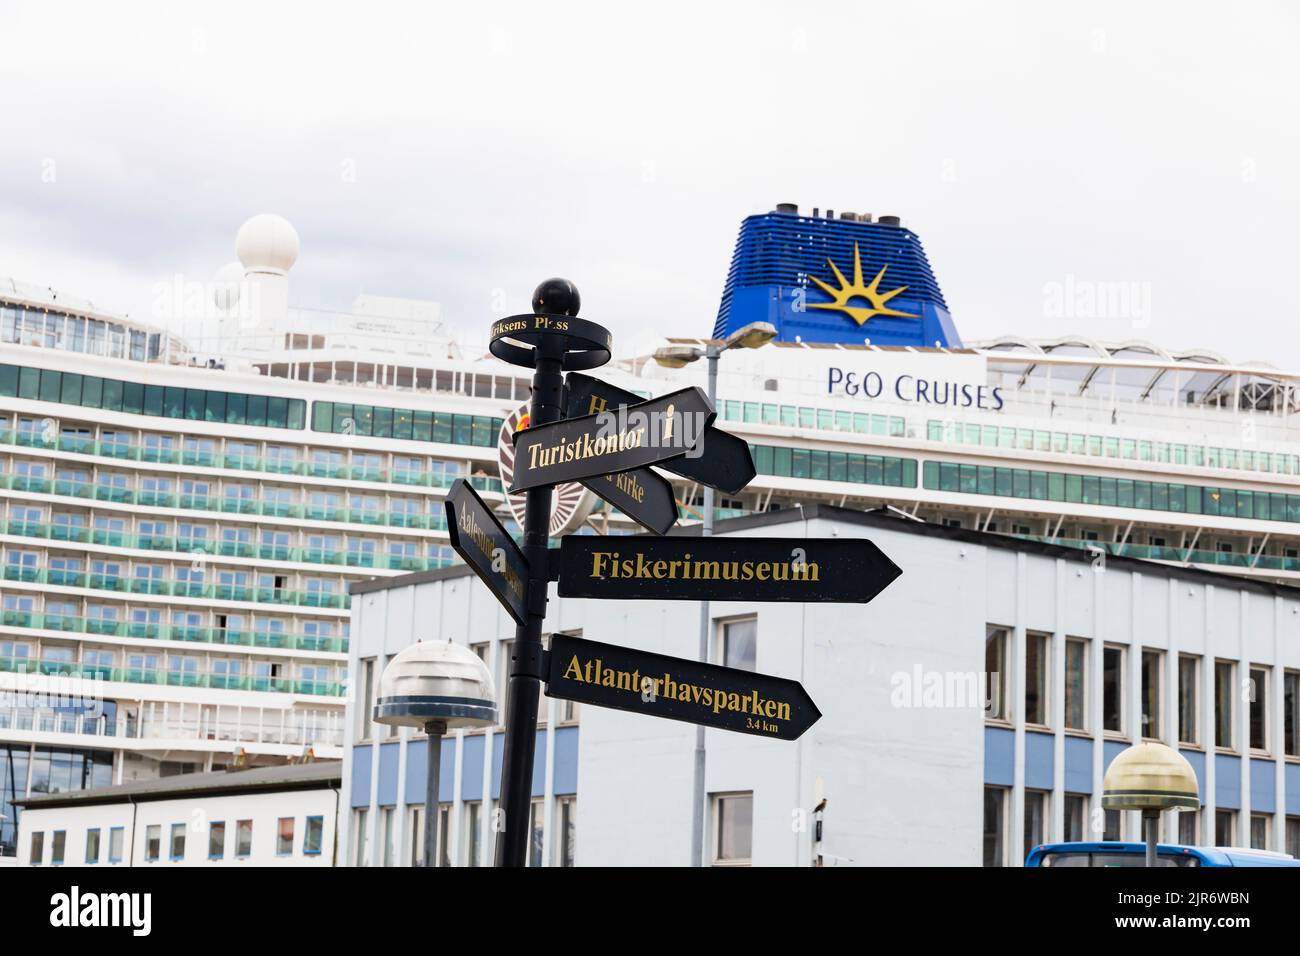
(266, 816)
(1089, 654)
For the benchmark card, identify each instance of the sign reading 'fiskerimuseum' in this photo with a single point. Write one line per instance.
(661, 686)
(477, 536)
(851, 570)
(659, 430)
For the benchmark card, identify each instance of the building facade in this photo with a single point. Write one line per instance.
(268, 816)
(969, 712)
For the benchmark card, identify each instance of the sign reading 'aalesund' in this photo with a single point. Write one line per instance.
(725, 464)
(851, 570)
(724, 697)
(478, 537)
(633, 437)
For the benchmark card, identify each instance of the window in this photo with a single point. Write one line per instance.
(1036, 669)
(536, 822)
(1259, 831)
(1076, 687)
(1189, 827)
(1188, 674)
(152, 843)
(116, 837)
(1258, 709)
(58, 842)
(367, 698)
(1291, 713)
(243, 838)
(566, 830)
(740, 644)
(389, 836)
(995, 672)
(178, 841)
(473, 833)
(1223, 697)
(995, 815)
(1293, 836)
(1076, 818)
(217, 840)
(92, 846)
(284, 837)
(359, 856)
(38, 848)
(1151, 661)
(1111, 828)
(313, 836)
(1035, 819)
(1112, 689)
(733, 828)
(1225, 827)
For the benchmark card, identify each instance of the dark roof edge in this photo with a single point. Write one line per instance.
(330, 777)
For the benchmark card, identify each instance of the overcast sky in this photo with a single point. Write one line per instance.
(450, 151)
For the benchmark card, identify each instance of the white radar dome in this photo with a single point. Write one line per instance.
(267, 243)
(225, 285)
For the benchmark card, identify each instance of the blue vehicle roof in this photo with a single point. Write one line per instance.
(1206, 855)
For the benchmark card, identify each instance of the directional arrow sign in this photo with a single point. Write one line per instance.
(660, 686)
(851, 570)
(640, 494)
(478, 537)
(650, 432)
(726, 463)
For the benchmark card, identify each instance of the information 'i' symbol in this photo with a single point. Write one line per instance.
(668, 426)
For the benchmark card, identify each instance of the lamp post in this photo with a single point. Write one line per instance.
(436, 687)
(752, 336)
(1152, 778)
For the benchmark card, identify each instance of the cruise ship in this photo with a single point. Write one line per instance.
(182, 514)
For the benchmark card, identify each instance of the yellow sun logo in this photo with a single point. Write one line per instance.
(847, 293)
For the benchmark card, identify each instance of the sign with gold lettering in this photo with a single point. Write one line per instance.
(477, 536)
(642, 495)
(634, 436)
(850, 570)
(660, 686)
(725, 464)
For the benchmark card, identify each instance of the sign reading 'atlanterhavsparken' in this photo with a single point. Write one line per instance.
(851, 570)
(478, 537)
(658, 430)
(660, 686)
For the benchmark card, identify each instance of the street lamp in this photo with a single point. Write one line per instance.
(1150, 777)
(436, 687)
(751, 336)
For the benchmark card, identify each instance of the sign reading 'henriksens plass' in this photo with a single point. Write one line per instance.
(661, 686)
(851, 570)
(633, 437)
(478, 537)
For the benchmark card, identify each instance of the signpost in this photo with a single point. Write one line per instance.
(609, 443)
(849, 570)
(660, 686)
(726, 463)
(477, 536)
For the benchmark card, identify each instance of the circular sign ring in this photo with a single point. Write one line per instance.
(515, 340)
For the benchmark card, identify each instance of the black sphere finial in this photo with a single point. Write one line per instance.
(557, 297)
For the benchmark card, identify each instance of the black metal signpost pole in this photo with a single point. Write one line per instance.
(550, 341)
(526, 665)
